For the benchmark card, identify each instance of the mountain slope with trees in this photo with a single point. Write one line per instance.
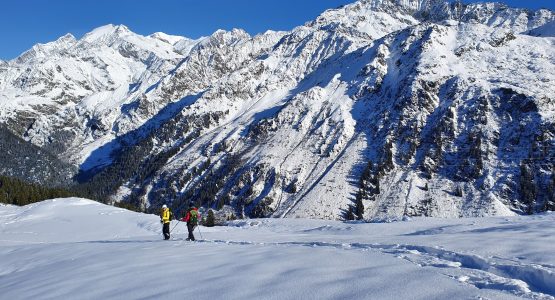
(376, 110)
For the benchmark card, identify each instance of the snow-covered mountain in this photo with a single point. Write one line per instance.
(406, 107)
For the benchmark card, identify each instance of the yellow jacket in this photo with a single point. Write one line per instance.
(165, 215)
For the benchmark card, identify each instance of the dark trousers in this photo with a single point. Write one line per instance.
(166, 231)
(191, 228)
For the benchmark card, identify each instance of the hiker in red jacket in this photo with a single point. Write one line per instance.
(191, 218)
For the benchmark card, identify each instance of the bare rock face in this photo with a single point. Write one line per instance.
(379, 109)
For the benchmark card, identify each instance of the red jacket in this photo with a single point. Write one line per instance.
(188, 216)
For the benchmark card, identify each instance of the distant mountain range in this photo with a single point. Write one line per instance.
(378, 109)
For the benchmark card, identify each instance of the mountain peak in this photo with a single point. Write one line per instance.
(42, 50)
(167, 38)
(492, 14)
(405, 5)
(106, 32)
(224, 37)
(67, 37)
(232, 32)
(408, 4)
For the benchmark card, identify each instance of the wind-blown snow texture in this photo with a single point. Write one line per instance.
(419, 108)
(76, 248)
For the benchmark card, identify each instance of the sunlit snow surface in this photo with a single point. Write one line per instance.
(79, 249)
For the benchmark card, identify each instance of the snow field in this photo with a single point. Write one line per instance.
(76, 248)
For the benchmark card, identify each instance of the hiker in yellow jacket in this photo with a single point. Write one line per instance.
(165, 218)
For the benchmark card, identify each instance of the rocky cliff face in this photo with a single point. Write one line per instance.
(406, 108)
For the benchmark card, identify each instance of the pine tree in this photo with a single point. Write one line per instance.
(349, 215)
(458, 9)
(359, 207)
(210, 220)
(458, 191)
(388, 158)
(18, 192)
(549, 204)
(528, 191)
(476, 166)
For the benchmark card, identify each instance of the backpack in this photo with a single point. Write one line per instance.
(194, 217)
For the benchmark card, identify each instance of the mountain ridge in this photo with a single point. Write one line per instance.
(357, 106)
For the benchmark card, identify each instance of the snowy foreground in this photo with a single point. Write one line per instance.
(79, 249)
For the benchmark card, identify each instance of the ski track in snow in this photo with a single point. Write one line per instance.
(477, 257)
(535, 281)
(525, 280)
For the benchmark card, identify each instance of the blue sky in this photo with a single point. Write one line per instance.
(25, 23)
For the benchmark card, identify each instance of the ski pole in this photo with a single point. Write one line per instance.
(175, 225)
(198, 227)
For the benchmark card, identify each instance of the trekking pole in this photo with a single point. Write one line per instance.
(175, 225)
(200, 232)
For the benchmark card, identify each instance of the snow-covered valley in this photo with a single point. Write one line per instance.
(431, 122)
(80, 249)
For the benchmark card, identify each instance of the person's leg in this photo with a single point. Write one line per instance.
(166, 231)
(193, 233)
(190, 228)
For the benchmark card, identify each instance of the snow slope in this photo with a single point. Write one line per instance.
(547, 30)
(76, 248)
